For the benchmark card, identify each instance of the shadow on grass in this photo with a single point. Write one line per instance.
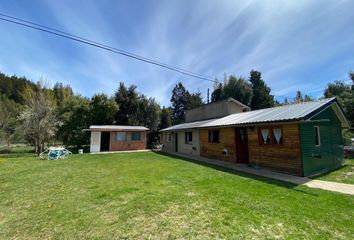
(279, 183)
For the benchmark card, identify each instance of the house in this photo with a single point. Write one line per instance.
(214, 110)
(117, 138)
(300, 139)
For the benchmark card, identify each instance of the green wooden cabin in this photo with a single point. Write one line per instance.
(321, 140)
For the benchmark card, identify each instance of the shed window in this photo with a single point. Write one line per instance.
(214, 136)
(188, 137)
(121, 136)
(169, 137)
(317, 136)
(136, 136)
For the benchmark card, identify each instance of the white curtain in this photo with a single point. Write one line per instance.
(277, 134)
(265, 134)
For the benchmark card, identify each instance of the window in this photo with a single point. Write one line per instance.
(317, 136)
(169, 139)
(121, 136)
(265, 136)
(214, 136)
(270, 135)
(278, 138)
(136, 136)
(188, 137)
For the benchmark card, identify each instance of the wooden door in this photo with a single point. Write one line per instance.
(241, 145)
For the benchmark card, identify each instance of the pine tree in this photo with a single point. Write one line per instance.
(179, 102)
(261, 92)
(298, 97)
(217, 93)
(165, 118)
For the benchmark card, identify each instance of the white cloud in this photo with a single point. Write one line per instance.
(293, 44)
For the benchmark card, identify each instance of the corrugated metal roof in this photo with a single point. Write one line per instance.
(276, 114)
(116, 127)
(188, 125)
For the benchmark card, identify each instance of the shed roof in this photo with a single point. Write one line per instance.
(116, 128)
(291, 112)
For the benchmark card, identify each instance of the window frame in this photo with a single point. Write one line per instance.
(169, 137)
(317, 136)
(131, 137)
(125, 136)
(211, 136)
(188, 137)
(272, 139)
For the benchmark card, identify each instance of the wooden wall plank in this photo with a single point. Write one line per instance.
(285, 157)
(215, 150)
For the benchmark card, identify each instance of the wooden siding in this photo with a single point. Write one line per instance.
(327, 156)
(285, 157)
(128, 144)
(215, 150)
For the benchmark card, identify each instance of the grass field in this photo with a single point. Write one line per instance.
(149, 195)
(344, 174)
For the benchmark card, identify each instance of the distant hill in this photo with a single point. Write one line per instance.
(11, 87)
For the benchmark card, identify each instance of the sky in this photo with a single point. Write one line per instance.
(297, 45)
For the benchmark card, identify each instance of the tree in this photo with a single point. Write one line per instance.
(102, 110)
(165, 118)
(351, 76)
(9, 111)
(39, 120)
(286, 101)
(239, 89)
(127, 100)
(217, 94)
(298, 97)
(12, 87)
(62, 92)
(152, 115)
(194, 100)
(344, 95)
(75, 117)
(261, 97)
(150, 111)
(335, 89)
(179, 102)
(308, 98)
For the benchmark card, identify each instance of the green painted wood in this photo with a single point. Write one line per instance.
(327, 156)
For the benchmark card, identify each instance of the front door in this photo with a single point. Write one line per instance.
(176, 142)
(241, 145)
(105, 138)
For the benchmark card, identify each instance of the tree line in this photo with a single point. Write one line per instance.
(38, 114)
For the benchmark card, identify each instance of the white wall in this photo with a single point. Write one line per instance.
(192, 148)
(95, 142)
(168, 146)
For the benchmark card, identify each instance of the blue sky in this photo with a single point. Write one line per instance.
(297, 45)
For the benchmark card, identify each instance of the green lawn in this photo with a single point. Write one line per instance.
(345, 174)
(148, 195)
